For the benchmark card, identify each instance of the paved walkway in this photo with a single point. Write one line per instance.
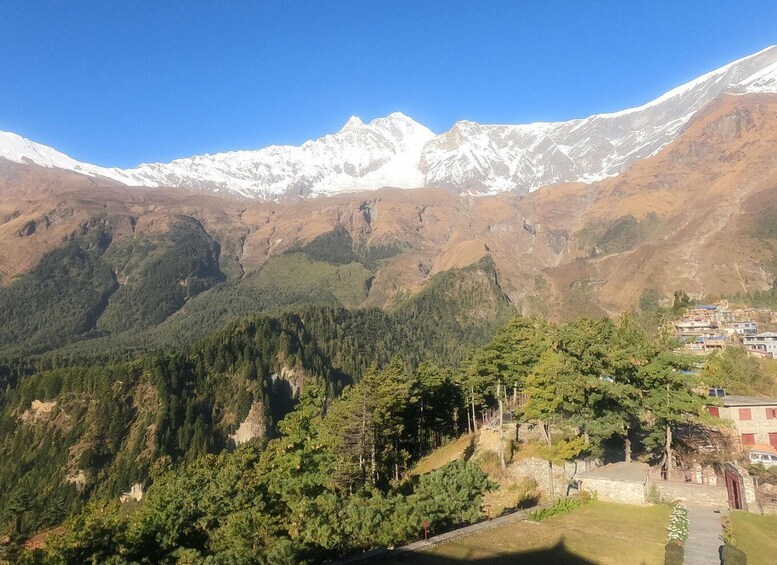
(704, 536)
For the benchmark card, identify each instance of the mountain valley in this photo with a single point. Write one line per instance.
(269, 341)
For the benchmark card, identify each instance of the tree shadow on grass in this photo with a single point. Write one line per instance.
(559, 554)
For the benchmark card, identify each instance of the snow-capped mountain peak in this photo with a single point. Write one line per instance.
(469, 158)
(353, 122)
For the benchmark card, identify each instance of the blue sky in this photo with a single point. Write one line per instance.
(118, 83)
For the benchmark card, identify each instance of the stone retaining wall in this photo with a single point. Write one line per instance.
(538, 469)
(703, 495)
(624, 492)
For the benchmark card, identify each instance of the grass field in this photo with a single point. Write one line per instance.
(600, 532)
(756, 536)
(447, 453)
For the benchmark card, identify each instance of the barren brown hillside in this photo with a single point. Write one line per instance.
(702, 210)
(700, 215)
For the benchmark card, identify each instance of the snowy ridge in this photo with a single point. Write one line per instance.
(358, 157)
(764, 81)
(469, 158)
(485, 159)
(21, 150)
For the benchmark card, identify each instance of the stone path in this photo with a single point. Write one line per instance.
(704, 536)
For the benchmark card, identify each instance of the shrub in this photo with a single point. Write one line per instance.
(674, 553)
(731, 555)
(654, 496)
(728, 531)
(562, 505)
(587, 496)
(450, 495)
(678, 524)
(490, 464)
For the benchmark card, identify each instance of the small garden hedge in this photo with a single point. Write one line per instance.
(674, 553)
(730, 555)
(561, 506)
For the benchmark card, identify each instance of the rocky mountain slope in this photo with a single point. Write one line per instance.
(470, 158)
(698, 216)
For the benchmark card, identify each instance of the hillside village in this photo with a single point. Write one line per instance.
(727, 460)
(707, 328)
(748, 423)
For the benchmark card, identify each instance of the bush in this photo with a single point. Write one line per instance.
(678, 524)
(490, 464)
(562, 505)
(587, 496)
(674, 553)
(654, 496)
(450, 495)
(731, 555)
(728, 531)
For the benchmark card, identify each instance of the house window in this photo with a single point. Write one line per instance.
(748, 439)
(744, 414)
(714, 411)
(771, 413)
(773, 439)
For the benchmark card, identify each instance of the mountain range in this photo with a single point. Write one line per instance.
(470, 158)
(596, 216)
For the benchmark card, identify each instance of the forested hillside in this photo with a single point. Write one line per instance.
(95, 284)
(114, 288)
(331, 477)
(83, 425)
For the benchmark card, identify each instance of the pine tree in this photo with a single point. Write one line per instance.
(19, 504)
(670, 401)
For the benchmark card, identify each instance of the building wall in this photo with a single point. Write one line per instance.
(703, 495)
(759, 424)
(625, 492)
(763, 343)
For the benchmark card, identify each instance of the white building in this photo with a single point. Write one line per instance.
(766, 342)
(743, 328)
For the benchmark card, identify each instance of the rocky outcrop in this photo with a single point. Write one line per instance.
(254, 425)
(38, 411)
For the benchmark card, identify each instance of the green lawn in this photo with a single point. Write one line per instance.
(600, 532)
(756, 536)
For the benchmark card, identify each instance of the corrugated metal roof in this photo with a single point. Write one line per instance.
(735, 400)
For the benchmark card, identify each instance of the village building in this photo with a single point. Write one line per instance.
(703, 345)
(757, 353)
(742, 328)
(696, 327)
(725, 316)
(765, 342)
(754, 420)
